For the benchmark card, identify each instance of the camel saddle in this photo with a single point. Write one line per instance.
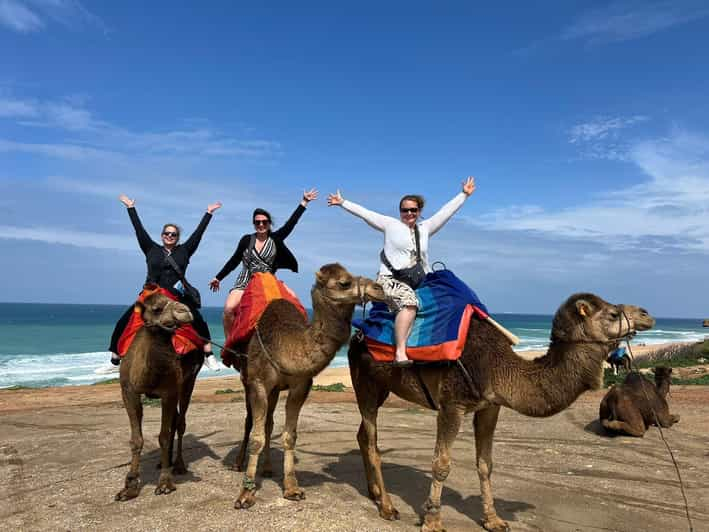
(184, 340)
(446, 306)
(261, 290)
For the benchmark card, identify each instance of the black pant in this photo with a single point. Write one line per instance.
(198, 323)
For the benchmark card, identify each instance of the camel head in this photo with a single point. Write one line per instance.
(662, 375)
(159, 310)
(586, 318)
(334, 283)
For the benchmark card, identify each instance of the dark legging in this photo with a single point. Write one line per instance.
(198, 323)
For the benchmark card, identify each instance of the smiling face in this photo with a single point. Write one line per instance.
(170, 236)
(262, 224)
(409, 212)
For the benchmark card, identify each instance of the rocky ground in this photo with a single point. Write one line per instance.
(64, 455)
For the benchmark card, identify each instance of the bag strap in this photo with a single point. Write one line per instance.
(175, 267)
(385, 260)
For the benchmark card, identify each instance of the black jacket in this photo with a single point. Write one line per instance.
(284, 258)
(159, 270)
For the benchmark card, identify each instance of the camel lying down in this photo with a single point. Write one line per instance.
(628, 407)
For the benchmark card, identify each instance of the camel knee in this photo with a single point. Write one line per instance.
(256, 444)
(136, 444)
(441, 468)
(289, 439)
(484, 468)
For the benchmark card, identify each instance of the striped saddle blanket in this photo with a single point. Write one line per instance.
(184, 340)
(446, 305)
(261, 290)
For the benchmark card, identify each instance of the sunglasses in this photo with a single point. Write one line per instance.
(412, 210)
(262, 222)
(172, 234)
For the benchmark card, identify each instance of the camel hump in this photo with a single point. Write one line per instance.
(281, 313)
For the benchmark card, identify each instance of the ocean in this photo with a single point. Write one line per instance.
(61, 345)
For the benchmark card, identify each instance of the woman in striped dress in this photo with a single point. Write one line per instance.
(261, 251)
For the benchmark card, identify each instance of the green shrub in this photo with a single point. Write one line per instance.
(336, 387)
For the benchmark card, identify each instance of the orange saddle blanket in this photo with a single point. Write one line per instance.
(261, 290)
(184, 340)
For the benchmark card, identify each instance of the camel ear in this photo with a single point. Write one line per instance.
(319, 278)
(139, 307)
(583, 307)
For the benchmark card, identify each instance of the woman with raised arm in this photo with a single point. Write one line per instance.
(404, 259)
(162, 273)
(261, 251)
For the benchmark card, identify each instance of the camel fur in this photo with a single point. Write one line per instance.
(152, 367)
(285, 353)
(583, 331)
(628, 408)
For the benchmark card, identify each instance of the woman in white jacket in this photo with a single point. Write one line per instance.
(400, 252)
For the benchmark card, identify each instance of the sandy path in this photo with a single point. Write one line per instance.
(61, 464)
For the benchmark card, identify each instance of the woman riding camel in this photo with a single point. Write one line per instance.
(163, 273)
(261, 251)
(404, 259)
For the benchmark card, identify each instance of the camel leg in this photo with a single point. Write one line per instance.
(240, 461)
(257, 396)
(367, 438)
(179, 467)
(169, 411)
(666, 419)
(485, 422)
(134, 408)
(637, 430)
(624, 417)
(267, 468)
(449, 421)
(296, 397)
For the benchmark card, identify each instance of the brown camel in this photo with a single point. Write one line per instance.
(583, 331)
(629, 407)
(152, 367)
(285, 353)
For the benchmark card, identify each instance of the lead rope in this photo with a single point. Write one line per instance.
(659, 428)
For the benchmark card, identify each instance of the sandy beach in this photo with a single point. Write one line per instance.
(64, 454)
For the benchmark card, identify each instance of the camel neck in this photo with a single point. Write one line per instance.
(544, 386)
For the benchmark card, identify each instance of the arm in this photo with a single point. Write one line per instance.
(287, 228)
(438, 220)
(144, 240)
(193, 241)
(373, 219)
(235, 259)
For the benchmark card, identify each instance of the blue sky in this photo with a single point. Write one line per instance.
(585, 124)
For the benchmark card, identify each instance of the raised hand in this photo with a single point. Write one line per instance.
(214, 285)
(125, 200)
(335, 199)
(213, 207)
(310, 195)
(469, 185)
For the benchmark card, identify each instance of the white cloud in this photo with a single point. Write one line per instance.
(92, 137)
(27, 16)
(52, 235)
(666, 213)
(602, 128)
(624, 21)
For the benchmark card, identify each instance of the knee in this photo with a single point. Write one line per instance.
(484, 469)
(136, 444)
(441, 468)
(289, 439)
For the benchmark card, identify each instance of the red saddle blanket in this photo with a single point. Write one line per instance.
(184, 340)
(261, 290)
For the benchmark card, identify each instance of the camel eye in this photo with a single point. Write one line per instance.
(613, 314)
(344, 284)
(158, 308)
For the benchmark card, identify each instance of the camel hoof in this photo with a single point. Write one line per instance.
(126, 494)
(294, 494)
(390, 514)
(165, 486)
(247, 498)
(496, 525)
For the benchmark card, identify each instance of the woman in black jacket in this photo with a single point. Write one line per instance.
(261, 251)
(163, 274)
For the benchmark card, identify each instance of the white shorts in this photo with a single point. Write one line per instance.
(398, 294)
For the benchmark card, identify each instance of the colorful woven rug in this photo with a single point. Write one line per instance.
(261, 290)
(184, 340)
(446, 305)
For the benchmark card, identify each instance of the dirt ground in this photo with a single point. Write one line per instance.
(64, 454)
